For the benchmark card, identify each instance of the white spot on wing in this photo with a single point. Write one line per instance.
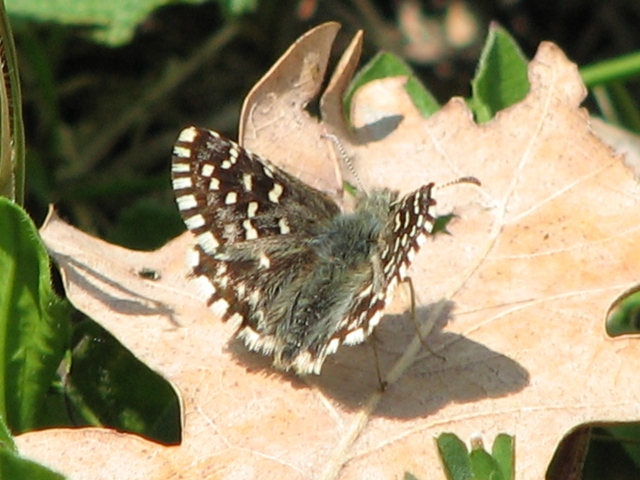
(182, 182)
(402, 271)
(284, 226)
(357, 336)
(366, 291)
(428, 227)
(305, 363)
(235, 320)
(233, 153)
(264, 261)
(333, 346)
(267, 171)
(188, 134)
(214, 184)
(186, 202)
(181, 152)
(254, 297)
(204, 286)
(252, 209)
(207, 170)
(374, 320)
(275, 193)
(193, 258)
(208, 242)
(231, 198)
(220, 306)
(179, 167)
(194, 222)
(250, 337)
(257, 342)
(250, 232)
(247, 181)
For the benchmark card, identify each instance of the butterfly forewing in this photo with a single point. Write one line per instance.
(227, 194)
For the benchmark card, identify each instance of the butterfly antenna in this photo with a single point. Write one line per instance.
(471, 180)
(345, 158)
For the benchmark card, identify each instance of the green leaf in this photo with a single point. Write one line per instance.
(455, 457)
(624, 316)
(11, 126)
(616, 69)
(107, 385)
(114, 22)
(14, 466)
(238, 7)
(33, 320)
(501, 78)
(503, 452)
(618, 105)
(386, 65)
(483, 465)
(6, 440)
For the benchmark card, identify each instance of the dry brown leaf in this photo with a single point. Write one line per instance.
(274, 119)
(537, 256)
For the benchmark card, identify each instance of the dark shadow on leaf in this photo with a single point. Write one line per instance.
(468, 371)
(92, 282)
(378, 130)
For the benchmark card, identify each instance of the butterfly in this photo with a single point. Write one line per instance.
(279, 257)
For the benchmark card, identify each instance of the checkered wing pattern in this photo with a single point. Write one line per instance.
(279, 258)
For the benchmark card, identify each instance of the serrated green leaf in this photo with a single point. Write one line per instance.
(501, 78)
(33, 320)
(386, 65)
(455, 457)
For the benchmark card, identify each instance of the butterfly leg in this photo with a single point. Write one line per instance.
(383, 383)
(412, 294)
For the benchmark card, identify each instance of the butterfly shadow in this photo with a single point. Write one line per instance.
(456, 370)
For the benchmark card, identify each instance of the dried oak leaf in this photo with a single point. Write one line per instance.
(536, 257)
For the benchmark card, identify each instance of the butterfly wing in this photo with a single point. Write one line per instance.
(226, 194)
